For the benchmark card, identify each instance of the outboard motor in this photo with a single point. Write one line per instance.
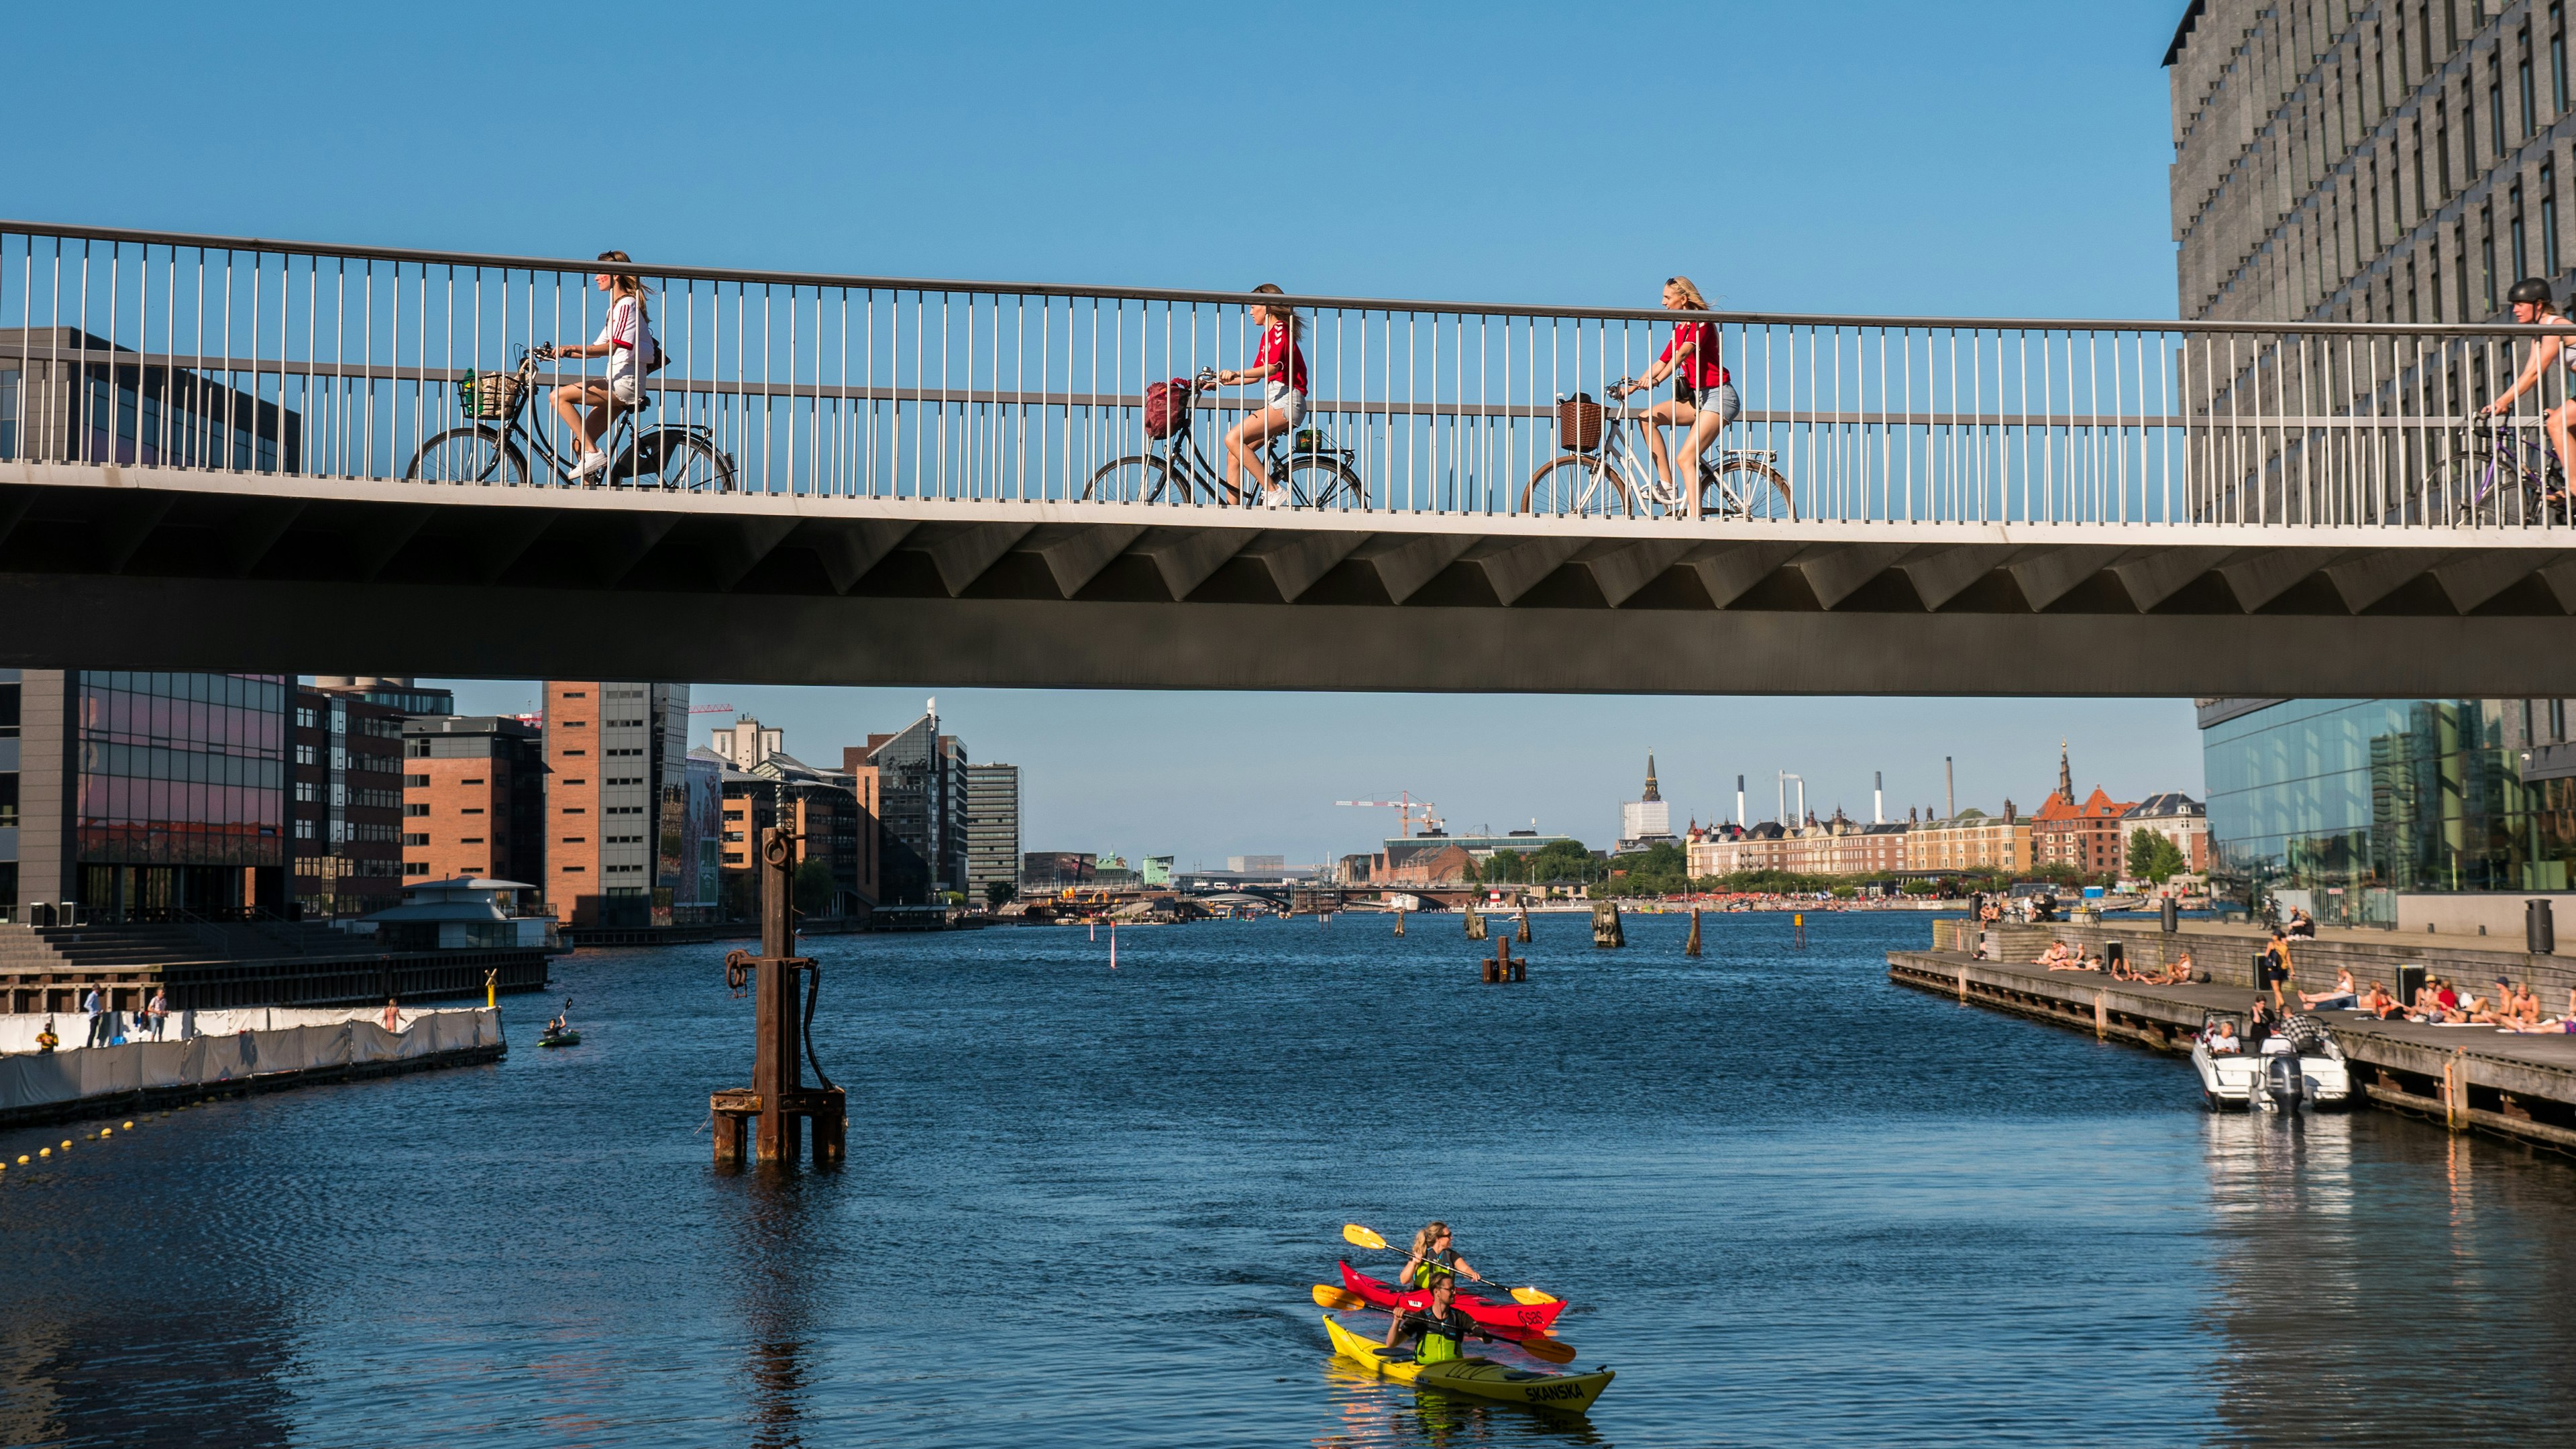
(2283, 1082)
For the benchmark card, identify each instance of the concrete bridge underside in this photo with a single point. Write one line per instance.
(105, 567)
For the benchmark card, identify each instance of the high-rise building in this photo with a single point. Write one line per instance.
(992, 829)
(2369, 163)
(612, 748)
(143, 794)
(821, 809)
(345, 820)
(922, 807)
(474, 799)
(746, 742)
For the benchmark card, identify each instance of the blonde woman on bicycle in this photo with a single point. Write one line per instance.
(1280, 368)
(626, 340)
(1703, 397)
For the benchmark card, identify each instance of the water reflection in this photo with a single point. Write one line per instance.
(779, 1259)
(1376, 1411)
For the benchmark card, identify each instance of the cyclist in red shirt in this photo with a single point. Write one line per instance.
(1703, 397)
(1280, 368)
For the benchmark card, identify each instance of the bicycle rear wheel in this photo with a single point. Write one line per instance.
(468, 455)
(1139, 479)
(1318, 481)
(1578, 485)
(684, 464)
(1746, 488)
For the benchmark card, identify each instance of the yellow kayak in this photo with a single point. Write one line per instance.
(1482, 1377)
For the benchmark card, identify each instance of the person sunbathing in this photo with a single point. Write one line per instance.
(2343, 998)
(2060, 958)
(2380, 1004)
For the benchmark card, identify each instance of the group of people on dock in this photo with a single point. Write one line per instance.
(107, 1024)
(2061, 957)
(2440, 1002)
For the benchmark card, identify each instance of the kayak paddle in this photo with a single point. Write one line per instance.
(1360, 1237)
(1537, 1345)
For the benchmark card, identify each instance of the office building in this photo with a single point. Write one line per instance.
(474, 800)
(345, 810)
(922, 796)
(1158, 871)
(2391, 812)
(69, 396)
(2363, 163)
(992, 829)
(823, 810)
(746, 742)
(614, 750)
(1047, 872)
(136, 795)
(1256, 864)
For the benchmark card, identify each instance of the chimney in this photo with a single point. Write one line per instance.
(1739, 799)
(1949, 789)
(1878, 797)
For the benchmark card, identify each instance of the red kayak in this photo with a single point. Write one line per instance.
(1508, 1319)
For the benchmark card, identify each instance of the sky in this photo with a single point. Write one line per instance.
(2003, 159)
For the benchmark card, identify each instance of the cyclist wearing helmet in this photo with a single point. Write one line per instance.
(2531, 308)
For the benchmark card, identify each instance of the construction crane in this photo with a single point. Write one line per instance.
(1405, 806)
(713, 709)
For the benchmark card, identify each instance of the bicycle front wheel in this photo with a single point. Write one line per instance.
(1746, 488)
(1578, 485)
(1140, 479)
(468, 455)
(1320, 482)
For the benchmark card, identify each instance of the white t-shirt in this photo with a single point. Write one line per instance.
(633, 348)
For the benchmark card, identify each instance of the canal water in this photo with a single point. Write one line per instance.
(1788, 1202)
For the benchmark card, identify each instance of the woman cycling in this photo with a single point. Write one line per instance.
(626, 340)
(2531, 308)
(1280, 368)
(1703, 397)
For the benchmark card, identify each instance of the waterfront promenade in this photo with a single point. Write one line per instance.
(2516, 1085)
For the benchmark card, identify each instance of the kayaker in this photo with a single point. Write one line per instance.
(1433, 1258)
(1443, 1328)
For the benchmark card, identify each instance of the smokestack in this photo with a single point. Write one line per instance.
(1784, 797)
(1878, 797)
(1739, 800)
(1949, 789)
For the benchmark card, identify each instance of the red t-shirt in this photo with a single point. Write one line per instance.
(1276, 347)
(1702, 370)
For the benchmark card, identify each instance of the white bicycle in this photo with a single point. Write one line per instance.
(1599, 475)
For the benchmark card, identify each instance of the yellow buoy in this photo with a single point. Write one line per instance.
(129, 1126)
(44, 1152)
(22, 1159)
(67, 1144)
(107, 1132)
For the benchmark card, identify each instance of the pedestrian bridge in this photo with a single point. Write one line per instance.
(246, 454)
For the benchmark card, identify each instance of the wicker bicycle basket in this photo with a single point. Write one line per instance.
(1578, 423)
(490, 394)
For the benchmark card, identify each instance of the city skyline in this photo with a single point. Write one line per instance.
(1205, 796)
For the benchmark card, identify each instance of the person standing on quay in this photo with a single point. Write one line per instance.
(159, 1011)
(2276, 966)
(94, 1004)
(393, 1015)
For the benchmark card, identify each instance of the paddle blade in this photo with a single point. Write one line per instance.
(1554, 1350)
(1327, 1296)
(1532, 1296)
(1360, 1237)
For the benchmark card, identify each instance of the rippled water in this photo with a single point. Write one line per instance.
(1789, 1202)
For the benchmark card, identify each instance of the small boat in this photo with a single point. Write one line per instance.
(1505, 1318)
(2297, 1065)
(1481, 1377)
(565, 1037)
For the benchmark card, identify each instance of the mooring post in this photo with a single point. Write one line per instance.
(1523, 933)
(2101, 1017)
(1691, 946)
(775, 1065)
(1475, 923)
(1399, 920)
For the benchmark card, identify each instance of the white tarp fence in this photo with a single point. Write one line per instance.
(230, 1046)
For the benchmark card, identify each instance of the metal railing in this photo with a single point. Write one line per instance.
(261, 356)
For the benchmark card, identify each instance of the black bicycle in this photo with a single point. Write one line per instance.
(1314, 473)
(494, 446)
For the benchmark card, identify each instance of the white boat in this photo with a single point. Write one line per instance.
(2297, 1065)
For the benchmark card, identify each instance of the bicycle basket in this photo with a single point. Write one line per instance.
(1578, 422)
(489, 394)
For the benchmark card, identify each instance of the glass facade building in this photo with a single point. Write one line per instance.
(181, 797)
(2354, 801)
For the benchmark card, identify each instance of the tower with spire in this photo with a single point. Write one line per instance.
(1647, 821)
(2065, 776)
(1651, 792)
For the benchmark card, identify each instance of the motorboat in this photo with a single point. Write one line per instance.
(2298, 1065)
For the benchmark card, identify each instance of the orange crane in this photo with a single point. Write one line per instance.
(1405, 806)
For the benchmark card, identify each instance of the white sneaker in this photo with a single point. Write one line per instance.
(1275, 498)
(591, 465)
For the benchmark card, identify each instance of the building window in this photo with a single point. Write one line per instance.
(2495, 101)
(415, 867)
(2558, 58)
(2513, 222)
(2522, 86)
(415, 782)
(416, 809)
(2442, 144)
(416, 838)
(2486, 259)
(307, 718)
(307, 755)
(2549, 218)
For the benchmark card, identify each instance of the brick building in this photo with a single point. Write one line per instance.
(1969, 840)
(615, 754)
(474, 799)
(2087, 835)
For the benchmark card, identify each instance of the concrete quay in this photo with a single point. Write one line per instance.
(2226, 952)
(2470, 1078)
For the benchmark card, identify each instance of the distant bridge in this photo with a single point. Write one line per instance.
(244, 454)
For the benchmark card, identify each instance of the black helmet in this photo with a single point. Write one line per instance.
(2530, 289)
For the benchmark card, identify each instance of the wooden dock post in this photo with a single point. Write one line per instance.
(1606, 932)
(1691, 946)
(2101, 1016)
(1522, 935)
(1475, 923)
(1399, 920)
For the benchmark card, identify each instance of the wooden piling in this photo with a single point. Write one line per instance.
(1523, 934)
(1399, 920)
(2101, 1016)
(1691, 946)
(1606, 931)
(1475, 923)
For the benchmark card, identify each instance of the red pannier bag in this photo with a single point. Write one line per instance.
(1166, 403)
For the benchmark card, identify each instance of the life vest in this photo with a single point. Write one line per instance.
(1436, 1348)
(1434, 1263)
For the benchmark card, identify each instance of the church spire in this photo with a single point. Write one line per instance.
(1652, 793)
(2065, 777)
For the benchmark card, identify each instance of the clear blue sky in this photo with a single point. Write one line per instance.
(1997, 159)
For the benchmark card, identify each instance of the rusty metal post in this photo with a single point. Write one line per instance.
(776, 1070)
